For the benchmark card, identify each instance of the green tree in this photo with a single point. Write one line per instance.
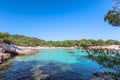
(113, 15)
(84, 43)
(112, 42)
(100, 42)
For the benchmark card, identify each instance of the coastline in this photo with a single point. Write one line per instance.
(14, 50)
(40, 47)
(31, 50)
(21, 50)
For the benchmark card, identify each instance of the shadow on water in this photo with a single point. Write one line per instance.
(5, 66)
(109, 59)
(36, 70)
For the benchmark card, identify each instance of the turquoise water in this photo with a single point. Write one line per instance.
(54, 64)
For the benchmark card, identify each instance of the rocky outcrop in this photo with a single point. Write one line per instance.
(8, 51)
(26, 51)
(7, 48)
(14, 49)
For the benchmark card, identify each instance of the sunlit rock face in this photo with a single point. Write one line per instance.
(6, 52)
(7, 48)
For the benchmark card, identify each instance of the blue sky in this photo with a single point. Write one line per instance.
(57, 19)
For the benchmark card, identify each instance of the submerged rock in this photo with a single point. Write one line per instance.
(101, 76)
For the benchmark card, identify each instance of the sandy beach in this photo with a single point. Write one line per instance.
(111, 47)
(40, 47)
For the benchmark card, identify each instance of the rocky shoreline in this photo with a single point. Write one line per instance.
(9, 51)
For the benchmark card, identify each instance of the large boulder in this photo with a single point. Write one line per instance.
(7, 51)
(7, 48)
(16, 50)
(26, 51)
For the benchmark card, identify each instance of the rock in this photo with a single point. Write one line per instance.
(4, 56)
(101, 76)
(7, 51)
(7, 48)
(26, 51)
(14, 49)
(1, 50)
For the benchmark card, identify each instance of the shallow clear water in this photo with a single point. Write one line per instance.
(55, 64)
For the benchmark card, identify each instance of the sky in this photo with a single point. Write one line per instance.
(57, 19)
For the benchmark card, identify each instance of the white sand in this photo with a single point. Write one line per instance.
(111, 47)
(39, 47)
